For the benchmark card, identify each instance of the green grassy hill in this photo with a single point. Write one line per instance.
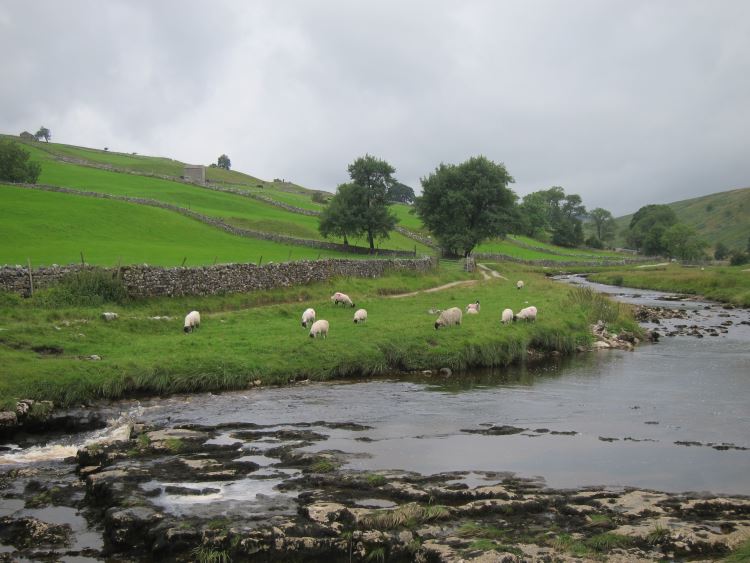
(54, 228)
(156, 178)
(723, 216)
(103, 232)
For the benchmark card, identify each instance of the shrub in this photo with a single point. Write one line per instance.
(92, 286)
(15, 165)
(738, 258)
(320, 197)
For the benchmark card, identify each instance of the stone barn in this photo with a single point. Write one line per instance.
(195, 173)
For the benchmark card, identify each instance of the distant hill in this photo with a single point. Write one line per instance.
(723, 216)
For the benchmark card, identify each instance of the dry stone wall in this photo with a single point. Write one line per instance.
(154, 281)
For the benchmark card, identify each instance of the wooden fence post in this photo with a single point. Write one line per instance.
(31, 278)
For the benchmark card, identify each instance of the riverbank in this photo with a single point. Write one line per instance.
(50, 350)
(727, 284)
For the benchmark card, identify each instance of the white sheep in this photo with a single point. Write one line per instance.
(308, 317)
(319, 328)
(526, 314)
(472, 308)
(449, 317)
(507, 316)
(339, 297)
(519, 284)
(360, 316)
(192, 321)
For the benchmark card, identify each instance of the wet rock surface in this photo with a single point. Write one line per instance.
(257, 494)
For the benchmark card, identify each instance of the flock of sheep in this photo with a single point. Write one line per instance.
(447, 318)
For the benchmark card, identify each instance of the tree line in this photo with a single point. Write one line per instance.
(462, 205)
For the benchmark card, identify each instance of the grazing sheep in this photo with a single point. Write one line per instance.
(519, 284)
(472, 308)
(308, 317)
(449, 317)
(319, 328)
(339, 297)
(360, 316)
(527, 314)
(507, 316)
(192, 321)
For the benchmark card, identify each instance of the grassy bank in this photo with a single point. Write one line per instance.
(46, 342)
(726, 284)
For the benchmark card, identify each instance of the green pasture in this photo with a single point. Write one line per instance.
(569, 251)
(729, 284)
(45, 346)
(509, 248)
(407, 219)
(303, 201)
(50, 227)
(234, 209)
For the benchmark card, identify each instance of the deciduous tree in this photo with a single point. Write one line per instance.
(401, 193)
(464, 204)
(604, 224)
(43, 133)
(360, 208)
(681, 241)
(15, 165)
(224, 162)
(647, 227)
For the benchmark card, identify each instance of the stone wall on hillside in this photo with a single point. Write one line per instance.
(153, 281)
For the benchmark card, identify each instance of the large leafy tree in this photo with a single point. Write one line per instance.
(224, 162)
(15, 165)
(552, 212)
(43, 133)
(681, 241)
(604, 223)
(401, 193)
(567, 227)
(467, 203)
(360, 208)
(342, 215)
(647, 227)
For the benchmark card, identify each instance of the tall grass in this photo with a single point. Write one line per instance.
(597, 307)
(89, 287)
(726, 284)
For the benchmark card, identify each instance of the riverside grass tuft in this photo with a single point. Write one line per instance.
(46, 350)
(728, 284)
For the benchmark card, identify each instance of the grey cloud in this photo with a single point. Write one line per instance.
(626, 103)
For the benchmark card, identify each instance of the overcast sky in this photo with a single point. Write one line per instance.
(624, 102)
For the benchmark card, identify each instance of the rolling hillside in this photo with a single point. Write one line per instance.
(723, 216)
(52, 227)
(41, 226)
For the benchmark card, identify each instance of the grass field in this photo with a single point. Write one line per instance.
(50, 227)
(726, 284)
(508, 247)
(234, 209)
(244, 337)
(528, 241)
